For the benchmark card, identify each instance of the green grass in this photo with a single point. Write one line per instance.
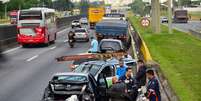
(2, 21)
(179, 55)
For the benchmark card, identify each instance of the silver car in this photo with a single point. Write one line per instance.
(81, 34)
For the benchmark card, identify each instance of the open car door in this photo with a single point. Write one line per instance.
(102, 87)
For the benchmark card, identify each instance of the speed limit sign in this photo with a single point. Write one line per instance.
(145, 22)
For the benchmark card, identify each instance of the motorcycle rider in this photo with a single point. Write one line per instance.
(141, 73)
(71, 36)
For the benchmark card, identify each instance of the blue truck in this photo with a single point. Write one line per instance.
(115, 29)
(112, 29)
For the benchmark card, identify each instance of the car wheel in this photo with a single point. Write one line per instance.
(87, 40)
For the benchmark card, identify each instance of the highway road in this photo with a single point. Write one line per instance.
(25, 72)
(185, 27)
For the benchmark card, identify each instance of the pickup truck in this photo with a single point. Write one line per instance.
(113, 29)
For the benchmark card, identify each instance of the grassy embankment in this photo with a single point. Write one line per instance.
(179, 55)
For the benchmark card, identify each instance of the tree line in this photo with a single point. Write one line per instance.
(25, 4)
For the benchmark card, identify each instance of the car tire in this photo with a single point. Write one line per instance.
(87, 40)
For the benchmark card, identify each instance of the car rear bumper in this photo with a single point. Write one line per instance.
(31, 41)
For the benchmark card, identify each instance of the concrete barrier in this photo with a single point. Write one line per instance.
(195, 33)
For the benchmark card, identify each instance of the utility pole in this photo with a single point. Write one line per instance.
(5, 10)
(155, 16)
(170, 16)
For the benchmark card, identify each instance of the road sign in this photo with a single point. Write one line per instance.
(145, 22)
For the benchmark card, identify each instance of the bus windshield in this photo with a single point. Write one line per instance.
(33, 15)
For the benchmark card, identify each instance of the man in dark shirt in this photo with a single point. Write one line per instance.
(141, 73)
(130, 83)
(153, 91)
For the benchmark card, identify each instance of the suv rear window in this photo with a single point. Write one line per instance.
(76, 21)
(80, 30)
(110, 45)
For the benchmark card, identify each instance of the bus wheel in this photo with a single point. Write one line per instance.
(24, 45)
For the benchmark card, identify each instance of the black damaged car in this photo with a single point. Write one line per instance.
(84, 86)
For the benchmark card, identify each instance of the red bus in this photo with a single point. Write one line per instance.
(13, 17)
(36, 26)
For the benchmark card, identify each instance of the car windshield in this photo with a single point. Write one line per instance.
(80, 30)
(88, 68)
(70, 78)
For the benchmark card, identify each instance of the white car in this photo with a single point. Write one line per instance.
(75, 23)
(84, 21)
(81, 34)
(164, 19)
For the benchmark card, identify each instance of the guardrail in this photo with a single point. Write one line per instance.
(140, 51)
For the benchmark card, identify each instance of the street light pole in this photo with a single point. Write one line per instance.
(155, 16)
(170, 16)
(5, 11)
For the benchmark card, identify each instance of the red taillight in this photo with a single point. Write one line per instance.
(39, 30)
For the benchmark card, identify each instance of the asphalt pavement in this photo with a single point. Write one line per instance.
(25, 72)
(185, 27)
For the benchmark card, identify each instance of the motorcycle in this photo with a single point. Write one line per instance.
(71, 43)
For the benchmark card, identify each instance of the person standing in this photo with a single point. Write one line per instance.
(153, 91)
(94, 45)
(141, 73)
(121, 69)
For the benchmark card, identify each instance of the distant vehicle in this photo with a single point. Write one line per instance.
(13, 17)
(36, 26)
(83, 85)
(181, 16)
(75, 23)
(84, 21)
(112, 29)
(116, 16)
(95, 15)
(164, 19)
(81, 34)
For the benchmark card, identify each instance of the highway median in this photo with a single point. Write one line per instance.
(179, 57)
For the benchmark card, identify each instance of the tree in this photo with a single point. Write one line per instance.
(184, 2)
(138, 7)
(63, 4)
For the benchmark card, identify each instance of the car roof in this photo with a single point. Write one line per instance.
(75, 20)
(80, 29)
(116, 40)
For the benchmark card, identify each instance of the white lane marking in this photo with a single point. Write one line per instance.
(53, 47)
(66, 40)
(11, 50)
(32, 58)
